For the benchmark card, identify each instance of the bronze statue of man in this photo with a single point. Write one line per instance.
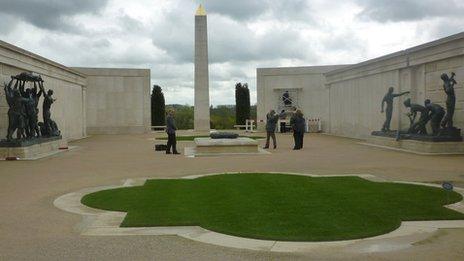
(388, 99)
(31, 119)
(47, 104)
(286, 99)
(448, 87)
(16, 119)
(419, 126)
(436, 115)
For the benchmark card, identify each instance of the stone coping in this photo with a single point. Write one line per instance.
(180, 141)
(299, 70)
(192, 152)
(209, 142)
(113, 72)
(96, 222)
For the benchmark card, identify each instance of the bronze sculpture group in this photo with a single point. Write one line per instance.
(441, 120)
(23, 113)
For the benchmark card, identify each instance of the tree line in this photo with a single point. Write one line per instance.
(222, 116)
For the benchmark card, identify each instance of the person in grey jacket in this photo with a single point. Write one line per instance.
(299, 127)
(171, 131)
(271, 123)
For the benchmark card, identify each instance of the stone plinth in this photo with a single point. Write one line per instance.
(239, 145)
(218, 147)
(31, 150)
(453, 135)
(415, 146)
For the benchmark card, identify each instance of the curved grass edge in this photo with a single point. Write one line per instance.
(459, 198)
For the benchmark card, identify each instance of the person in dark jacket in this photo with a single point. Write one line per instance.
(271, 123)
(171, 131)
(283, 124)
(298, 125)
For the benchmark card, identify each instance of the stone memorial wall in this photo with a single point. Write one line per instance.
(118, 100)
(89, 100)
(356, 92)
(348, 98)
(68, 86)
(304, 84)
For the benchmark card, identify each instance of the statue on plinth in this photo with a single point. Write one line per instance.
(448, 87)
(23, 111)
(388, 99)
(441, 121)
(286, 99)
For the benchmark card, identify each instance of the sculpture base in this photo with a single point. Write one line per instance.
(445, 135)
(31, 149)
(433, 147)
(28, 142)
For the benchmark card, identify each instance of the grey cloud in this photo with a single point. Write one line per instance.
(238, 9)
(239, 36)
(174, 34)
(7, 24)
(345, 41)
(249, 10)
(241, 44)
(408, 10)
(229, 40)
(130, 24)
(50, 14)
(441, 27)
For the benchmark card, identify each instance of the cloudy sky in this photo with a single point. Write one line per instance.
(243, 35)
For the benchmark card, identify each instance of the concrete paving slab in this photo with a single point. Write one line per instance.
(32, 228)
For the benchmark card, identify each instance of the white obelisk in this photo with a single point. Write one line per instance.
(201, 111)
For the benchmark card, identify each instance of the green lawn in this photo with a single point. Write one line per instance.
(191, 138)
(278, 206)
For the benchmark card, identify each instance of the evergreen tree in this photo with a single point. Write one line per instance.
(158, 108)
(242, 103)
(247, 101)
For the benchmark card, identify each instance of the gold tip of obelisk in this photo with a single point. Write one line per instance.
(201, 11)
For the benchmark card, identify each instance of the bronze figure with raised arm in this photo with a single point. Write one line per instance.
(448, 87)
(16, 110)
(47, 104)
(388, 99)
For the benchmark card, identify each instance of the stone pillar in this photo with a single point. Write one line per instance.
(201, 112)
(84, 111)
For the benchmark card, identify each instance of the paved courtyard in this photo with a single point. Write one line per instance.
(32, 228)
